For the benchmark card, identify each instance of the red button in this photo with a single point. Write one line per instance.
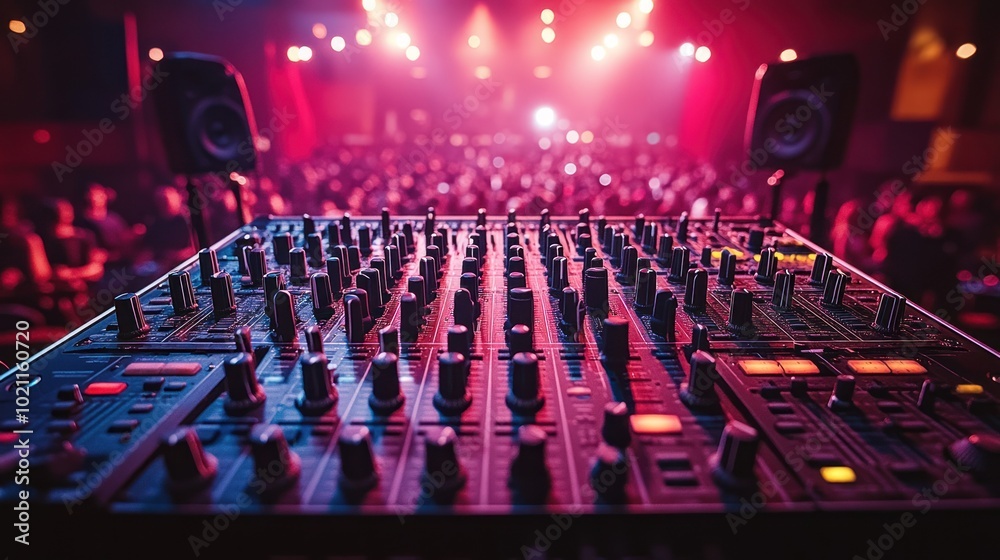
(8, 437)
(105, 388)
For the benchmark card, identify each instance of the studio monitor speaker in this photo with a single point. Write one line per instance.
(205, 117)
(801, 111)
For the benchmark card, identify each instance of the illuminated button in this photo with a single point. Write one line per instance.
(760, 367)
(578, 391)
(656, 424)
(867, 367)
(905, 367)
(969, 389)
(799, 367)
(105, 388)
(152, 369)
(838, 475)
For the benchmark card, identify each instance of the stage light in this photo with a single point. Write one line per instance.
(548, 16)
(305, 53)
(645, 6)
(402, 40)
(570, 168)
(598, 53)
(391, 19)
(482, 72)
(611, 40)
(319, 31)
(572, 137)
(702, 54)
(41, 136)
(412, 52)
(604, 180)
(17, 26)
(966, 50)
(293, 54)
(548, 34)
(363, 37)
(474, 41)
(586, 137)
(687, 49)
(545, 117)
(544, 143)
(624, 20)
(368, 5)
(338, 43)
(646, 38)
(788, 55)
(156, 54)
(542, 72)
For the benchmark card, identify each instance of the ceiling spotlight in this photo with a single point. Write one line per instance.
(788, 55)
(545, 117)
(687, 49)
(548, 16)
(702, 54)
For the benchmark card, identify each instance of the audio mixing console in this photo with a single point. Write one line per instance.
(510, 386)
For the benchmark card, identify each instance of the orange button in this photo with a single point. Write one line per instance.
(760, 367)
(105, 388)
(656, 424)
(868, 367)
(799, 367)
(905, 367)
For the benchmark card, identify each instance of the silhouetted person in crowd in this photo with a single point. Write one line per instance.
(72, 251)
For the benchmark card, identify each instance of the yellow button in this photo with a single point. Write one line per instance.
(969, 389)
(760, 367)
(838, 475)
(656, 424)
(907, 367)
(868, 367)
(799, 367)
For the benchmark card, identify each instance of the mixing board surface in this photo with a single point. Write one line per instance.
(439, 378)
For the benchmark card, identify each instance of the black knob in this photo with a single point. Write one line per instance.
(629, 262)
(128, 313)
(614, 344)
(665, 250)
(442, 470)
(182, 292)
(365, 240)
(649, 238)
(716, 219)
(298, 268)
(618, 243)
(664, 317)
(358, 469)
(335, 272)
(645, 291)
(465, 310)
(416, 286)
(821, 268)
(385, 279)
(617, 429)
(639, 226)
(281, 244)
(343, 258)
(927, 396)
(273, 282)
(208, 265)
(434, 251)
(978, 453)
(584, 241)
(784, 290)
(314, 339)
(386, 395)
(354, 319)
(529, 474)
(682, 228)
(366, 317)
(322, 295)
(409, 317)
(516, 280)
(223, 298)
(609, 474)
(285, 318)
(834, 288)
(843, 393)
(429, 269)
(699, 390)
(595, 291)
(257, 266)
(353, 258)
(727, 268)
(470, 283)
(699, 340)
(889, 316)
(524, 396)
(560, 275)
(318, 392)
(188, 465)
(392, 258)
(386, 229)
(388, 340)
(741, 312)
(680, 261)
(243, 392)
(767, 266)
(408, 236)
(755, 241)
(696, 290)
(520, 339)
(734, 461)
(453, 396)
(459, 341)
(368, 282)
(521, 308)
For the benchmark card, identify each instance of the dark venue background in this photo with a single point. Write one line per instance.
(460, 105)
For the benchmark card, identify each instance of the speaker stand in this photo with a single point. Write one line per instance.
(196, 207)
(817, 221)
(237, 190)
